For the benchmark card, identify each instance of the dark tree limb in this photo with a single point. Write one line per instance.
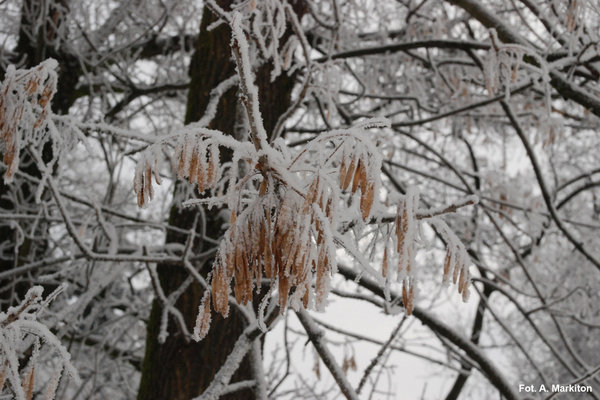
(494, 375)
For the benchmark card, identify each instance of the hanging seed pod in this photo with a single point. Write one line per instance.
(306, 296)
(329, 209)
(181, 172)
(457, 268)
(343, 171)
(322, 282)
(384, 264)
(461, 280)
(31, 86)
(401, 224)
(284, 291)
(213, 166)
(465, 291)
(405, 296)
(220, 290)
(411, 298)
(349, 174)
(148, 182)
(262, 190)
(358, 175)
(366, 201)
(203, 319)
(28, 382)
(138, 187)
(193, 170)
(447, 261)
(200, 174)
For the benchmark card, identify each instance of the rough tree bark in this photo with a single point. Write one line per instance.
(180, 369)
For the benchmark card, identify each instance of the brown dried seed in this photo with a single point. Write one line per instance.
(262, 190)
(401, 224)
(366, 201)
(404, 221)
(247, 279)
(284, 291)
(349, 175)
(357, 176)
(45, 97)
(200, 178)
(148, 182)
(323, 269)
(457, 268)
(181, 164)
(193, 170)
(364, 182)
(405, 296)
(238, 275)
(447, 266)
(29, 86)
(305, 297)
(140, 197)
(461, 280)
(291, 257)
(220, 291)
(400, 262)
(212, 167)
(28, 384)
(311, 195)
(411, 298)
(328, 209)
(465, 291)
(322, 201)
(204, 317)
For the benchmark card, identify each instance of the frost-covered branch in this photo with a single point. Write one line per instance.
(315, 335)
(240, 349)
(543, 187)
(20, 332)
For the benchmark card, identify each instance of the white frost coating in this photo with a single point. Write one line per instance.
(222, 378)
(256, 362)
(503, 62)
(347, 244)
(247, 80)
(215, 96)
(25, 111)
(459, 260)
(261, 310)
(18, 327)
(408, 252)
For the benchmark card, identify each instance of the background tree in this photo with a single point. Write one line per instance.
(403, 113)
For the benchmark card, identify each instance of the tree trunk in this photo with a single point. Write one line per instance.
(178, 369)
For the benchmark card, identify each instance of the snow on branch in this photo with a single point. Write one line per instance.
(25, 96)
(289, 212)
(21, 332)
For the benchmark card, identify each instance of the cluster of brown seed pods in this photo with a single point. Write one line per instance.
(403, 252)
(284, 242)
(460, 271)
(195, 161)
(38, 87)
(289, 243)
(354, 170)
(199, 163)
